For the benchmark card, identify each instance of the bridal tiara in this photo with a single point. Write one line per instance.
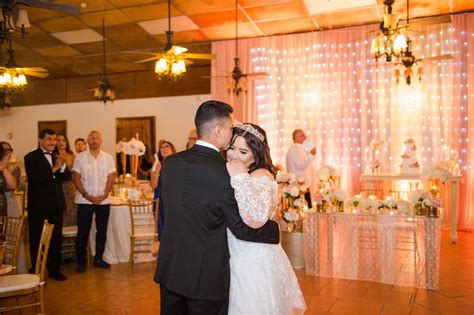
(249, 128)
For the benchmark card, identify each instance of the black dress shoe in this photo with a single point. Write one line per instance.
(81, 268)
(58, 276)
(101, 263)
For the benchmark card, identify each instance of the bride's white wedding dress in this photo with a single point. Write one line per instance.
(262, 279)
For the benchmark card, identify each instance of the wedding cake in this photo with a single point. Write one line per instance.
(409, 160)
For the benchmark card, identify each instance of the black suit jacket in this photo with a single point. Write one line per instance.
(45, 191)
(199, 205)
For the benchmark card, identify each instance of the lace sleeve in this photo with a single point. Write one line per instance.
(256, 197)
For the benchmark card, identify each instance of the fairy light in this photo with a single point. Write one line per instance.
(342, 105)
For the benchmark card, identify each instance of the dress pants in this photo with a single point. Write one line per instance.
(35, 228)
(84, 221)
(176, 304)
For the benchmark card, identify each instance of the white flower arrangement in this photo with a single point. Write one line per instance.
(403, 206)
(120, 147)
(436, 173)
(339, 194)
(418, 195)
(135, 147)
(282, 177)
(432, 202)
(387, 203)
(293, 214)
(326, 173)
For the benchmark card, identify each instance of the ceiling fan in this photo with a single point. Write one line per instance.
(237, 80)
(172, 61)
(12, 69)
(10, 7)
(104, 92)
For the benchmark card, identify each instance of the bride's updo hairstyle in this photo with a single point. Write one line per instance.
(256, 139)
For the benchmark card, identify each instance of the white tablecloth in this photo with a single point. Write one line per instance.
(117, 247)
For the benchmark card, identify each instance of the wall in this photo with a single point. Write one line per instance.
(174, 119)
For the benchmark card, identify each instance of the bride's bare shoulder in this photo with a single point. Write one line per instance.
(262, 172)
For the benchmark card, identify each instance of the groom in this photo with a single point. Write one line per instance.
(193, 261)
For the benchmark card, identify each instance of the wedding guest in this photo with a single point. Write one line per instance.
(146, 163)
(166, 149)
(46, 171)
(299, 161)
(94, 177)
(192, 138)
(7, 179)
(80, 145)
(63, 149)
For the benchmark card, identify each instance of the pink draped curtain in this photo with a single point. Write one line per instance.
(324, 83)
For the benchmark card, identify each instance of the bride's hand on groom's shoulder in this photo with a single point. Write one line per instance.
(235, 167)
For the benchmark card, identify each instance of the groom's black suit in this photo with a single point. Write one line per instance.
(199, 205)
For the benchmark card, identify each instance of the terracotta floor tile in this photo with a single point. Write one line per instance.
(356, 306)
(346, 292)
(394, 310)
(401, 299)
(370, 285)
(319, 303)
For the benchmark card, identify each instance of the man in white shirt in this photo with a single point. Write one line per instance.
(94, 177)
(299, 161)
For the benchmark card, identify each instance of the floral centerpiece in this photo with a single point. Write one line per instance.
(404, 207)
(135, 148)
(338, 196)
(293, 202)
(120, 149)
(435, 175)
(432, 204)
(329, 176)
(416, 198)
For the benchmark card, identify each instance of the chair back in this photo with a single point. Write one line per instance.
(2, 252)
(43, 249)
(20, 198)
(142, 214)
(12, 229)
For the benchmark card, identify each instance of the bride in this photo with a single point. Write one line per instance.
(262, 279)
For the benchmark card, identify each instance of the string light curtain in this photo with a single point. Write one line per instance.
(323, 83)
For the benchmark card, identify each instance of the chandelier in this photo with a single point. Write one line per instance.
(390, 42)
(11, 81)
(104, 91)
(171, 65)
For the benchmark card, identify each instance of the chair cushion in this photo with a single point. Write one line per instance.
(18, 282)
(4, 269)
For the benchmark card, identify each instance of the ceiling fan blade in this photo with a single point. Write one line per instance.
(442, 19)
(139, 53)
(440, 57)
(70, 9)
(36, 74)
(148, 59)
(188, 62)
(199, 56)
(34, 69)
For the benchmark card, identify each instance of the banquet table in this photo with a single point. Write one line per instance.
(391, 249)
(117, 247)
(452, 184)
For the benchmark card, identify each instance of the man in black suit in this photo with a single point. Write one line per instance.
(45, 172)
(198, 200)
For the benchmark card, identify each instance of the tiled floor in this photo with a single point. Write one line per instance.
(112, 292)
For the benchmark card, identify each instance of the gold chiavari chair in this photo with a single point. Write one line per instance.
(143, 230)
(16, 286)
(12, 232)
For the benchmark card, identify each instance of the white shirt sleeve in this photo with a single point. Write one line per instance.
(299, 158)
(76, 165)
(111, 165)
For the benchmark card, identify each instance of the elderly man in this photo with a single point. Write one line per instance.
(192, 138)
(94, 177)
(299, 160)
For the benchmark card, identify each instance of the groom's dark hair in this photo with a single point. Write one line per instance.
(209, 114)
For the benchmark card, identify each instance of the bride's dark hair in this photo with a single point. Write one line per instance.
(260, 150)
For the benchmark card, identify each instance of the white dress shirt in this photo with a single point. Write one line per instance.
(49, 157)
(299, 162)
(207, 144)
(94, 174)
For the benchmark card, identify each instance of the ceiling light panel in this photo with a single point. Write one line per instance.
(78, 37)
